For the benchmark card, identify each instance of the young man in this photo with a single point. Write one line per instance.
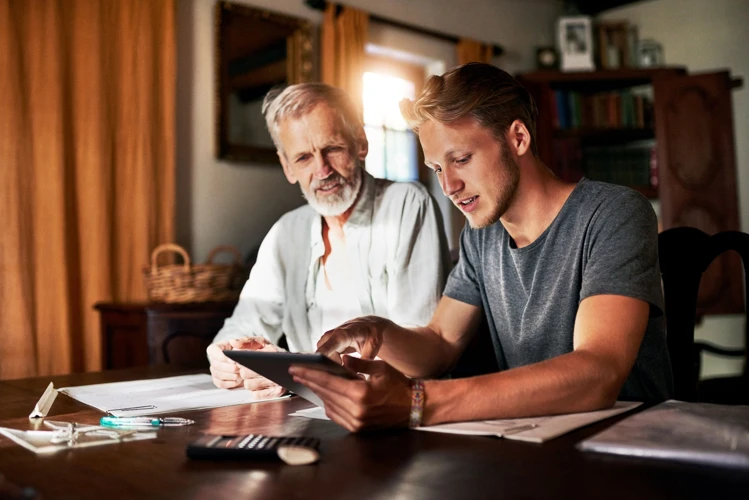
(361, 246)
(567, 276)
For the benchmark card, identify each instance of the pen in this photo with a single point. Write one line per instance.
(144, 421)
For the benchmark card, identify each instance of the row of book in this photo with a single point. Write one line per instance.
(630, 165)
(617, 109)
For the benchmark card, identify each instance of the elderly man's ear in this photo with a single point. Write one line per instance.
(287, 171)
(363, 145)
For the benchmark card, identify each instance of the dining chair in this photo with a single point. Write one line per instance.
(685, 253)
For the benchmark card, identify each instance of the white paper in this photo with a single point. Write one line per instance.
(45, 402)
(540, 429)
(700, 433)
(40, 442)
(161, 395)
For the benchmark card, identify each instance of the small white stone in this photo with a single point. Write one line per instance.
(298, 455)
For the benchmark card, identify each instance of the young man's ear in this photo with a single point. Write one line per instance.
(519, 138)
(287, 171)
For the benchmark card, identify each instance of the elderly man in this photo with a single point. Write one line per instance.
(362, 246)
(566, 274)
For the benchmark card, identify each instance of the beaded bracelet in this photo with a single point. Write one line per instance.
(417, 403)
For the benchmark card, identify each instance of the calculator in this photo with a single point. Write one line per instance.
(247, 447)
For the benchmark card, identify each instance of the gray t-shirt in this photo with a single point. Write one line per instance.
(603, 241)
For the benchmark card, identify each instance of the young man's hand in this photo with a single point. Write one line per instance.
(362, 335)
(381, 401)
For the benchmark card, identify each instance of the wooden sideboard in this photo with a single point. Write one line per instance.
(139, 334)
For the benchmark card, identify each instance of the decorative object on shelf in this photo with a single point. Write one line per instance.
(575, 43)
(180, 283)
(617, 44)
(650, 54)
(547, 58)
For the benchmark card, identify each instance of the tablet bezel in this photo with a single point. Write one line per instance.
(275, 366)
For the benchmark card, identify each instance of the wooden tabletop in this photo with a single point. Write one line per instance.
(383, 465)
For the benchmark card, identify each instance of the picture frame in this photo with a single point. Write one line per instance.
(650, 54)
(575, 39)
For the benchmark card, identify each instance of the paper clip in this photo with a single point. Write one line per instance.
(132, 408)
(519, 428)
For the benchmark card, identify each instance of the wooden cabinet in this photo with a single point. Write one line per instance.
(681, 138)
(155, 333)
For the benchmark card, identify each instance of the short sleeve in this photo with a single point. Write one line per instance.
(621, 252)
(463, 282)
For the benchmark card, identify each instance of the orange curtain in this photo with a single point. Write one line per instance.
(87, 99)
(473, 51)
(344, 34)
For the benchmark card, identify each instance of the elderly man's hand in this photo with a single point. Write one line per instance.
(362, 335)
(227, 373)
(383, 400)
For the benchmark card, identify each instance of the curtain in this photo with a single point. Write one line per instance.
(473, 51)
(344, 34)
(87, 100)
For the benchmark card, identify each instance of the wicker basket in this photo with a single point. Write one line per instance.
(180, 283)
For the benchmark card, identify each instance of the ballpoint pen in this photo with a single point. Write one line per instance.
(144, 421)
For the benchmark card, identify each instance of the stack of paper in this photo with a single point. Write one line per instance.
(686, 432)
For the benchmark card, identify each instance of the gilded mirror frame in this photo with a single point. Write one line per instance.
(299, 68)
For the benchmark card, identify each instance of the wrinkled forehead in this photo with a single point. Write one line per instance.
(318, 127)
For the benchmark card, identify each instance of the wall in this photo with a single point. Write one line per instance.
(705, 36)
(222, 203)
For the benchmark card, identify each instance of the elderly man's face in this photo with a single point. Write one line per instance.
(319, 155)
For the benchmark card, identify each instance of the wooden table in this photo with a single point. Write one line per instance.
(384, 465)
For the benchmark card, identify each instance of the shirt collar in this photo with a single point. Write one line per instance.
(361, 216)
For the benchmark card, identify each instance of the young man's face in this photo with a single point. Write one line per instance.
(319, 156)
(475, 170)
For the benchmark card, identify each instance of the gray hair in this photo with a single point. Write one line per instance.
(295, 101)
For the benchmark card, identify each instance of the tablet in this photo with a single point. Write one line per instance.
(275, 366)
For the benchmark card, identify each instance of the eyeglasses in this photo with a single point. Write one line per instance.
(73, 433)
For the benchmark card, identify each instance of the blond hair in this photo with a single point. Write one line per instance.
(484, 92)
(297, 100)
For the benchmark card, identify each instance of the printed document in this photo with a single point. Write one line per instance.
(160, 395)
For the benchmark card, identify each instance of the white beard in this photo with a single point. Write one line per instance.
(333, 205)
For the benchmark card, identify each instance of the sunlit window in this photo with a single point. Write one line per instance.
(393, 150)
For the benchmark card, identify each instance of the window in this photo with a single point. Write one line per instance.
(394, 152)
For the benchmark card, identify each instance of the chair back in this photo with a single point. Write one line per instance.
(684, 254)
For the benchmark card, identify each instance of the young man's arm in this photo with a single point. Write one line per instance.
(420, 352)
(608, 333)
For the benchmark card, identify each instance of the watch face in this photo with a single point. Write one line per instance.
(546, 57)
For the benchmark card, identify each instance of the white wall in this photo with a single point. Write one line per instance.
(706, 35)
(222, 203)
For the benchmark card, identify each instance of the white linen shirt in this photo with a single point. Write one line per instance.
(397, 248)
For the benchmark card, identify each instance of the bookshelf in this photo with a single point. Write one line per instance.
(662, 131)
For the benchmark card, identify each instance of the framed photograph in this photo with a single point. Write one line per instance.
(650, 54)
(575, 43)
